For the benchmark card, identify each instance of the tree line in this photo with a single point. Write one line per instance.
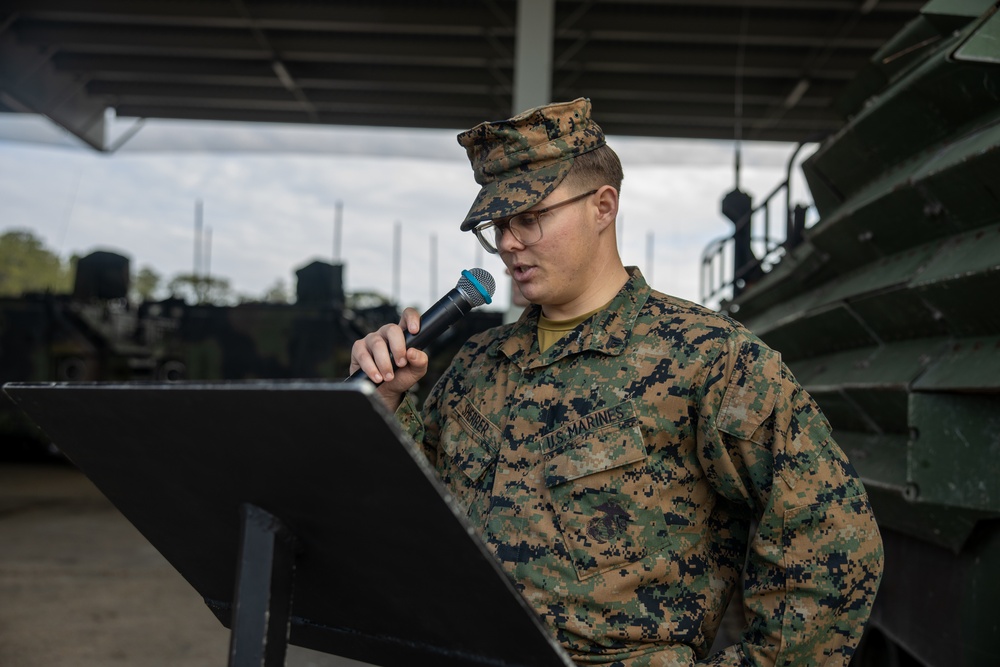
(27, 266)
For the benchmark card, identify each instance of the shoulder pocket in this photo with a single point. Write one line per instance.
(751, 393)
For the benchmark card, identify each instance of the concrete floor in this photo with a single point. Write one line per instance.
(80, 587)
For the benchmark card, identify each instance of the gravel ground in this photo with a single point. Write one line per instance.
(80, 587)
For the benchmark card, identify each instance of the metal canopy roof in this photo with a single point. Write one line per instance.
(666, 68)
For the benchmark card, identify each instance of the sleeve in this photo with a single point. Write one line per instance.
(815, 561)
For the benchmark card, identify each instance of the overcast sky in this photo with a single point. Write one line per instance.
(269, 196)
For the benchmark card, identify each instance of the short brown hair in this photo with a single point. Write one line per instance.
(596, 168)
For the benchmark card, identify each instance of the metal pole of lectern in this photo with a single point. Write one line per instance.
(263, 598)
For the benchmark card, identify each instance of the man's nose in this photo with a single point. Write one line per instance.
(508, 242)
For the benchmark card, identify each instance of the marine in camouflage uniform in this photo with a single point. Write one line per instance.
(616, 473)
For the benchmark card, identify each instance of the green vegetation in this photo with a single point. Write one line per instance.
(201, 289)
(26, 265)
(277, 293)
(144, 284)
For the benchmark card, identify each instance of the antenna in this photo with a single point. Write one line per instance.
(338, 226)
(207, 253)
(197, 238)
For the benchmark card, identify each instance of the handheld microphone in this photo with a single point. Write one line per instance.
(474, 288)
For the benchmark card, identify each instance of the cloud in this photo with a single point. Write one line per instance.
(271, 202)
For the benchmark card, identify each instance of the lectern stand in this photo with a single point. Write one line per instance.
(263, 597)
(301, 514)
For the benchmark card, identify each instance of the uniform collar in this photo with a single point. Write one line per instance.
(605, 332)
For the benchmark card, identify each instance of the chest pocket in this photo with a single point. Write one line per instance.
(606, 501)
(470, 445)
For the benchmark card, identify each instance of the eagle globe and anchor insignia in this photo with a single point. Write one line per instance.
(610, 524)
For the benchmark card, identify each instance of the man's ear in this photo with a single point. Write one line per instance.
(607, 206)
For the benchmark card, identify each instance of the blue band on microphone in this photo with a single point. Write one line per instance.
(479, 287)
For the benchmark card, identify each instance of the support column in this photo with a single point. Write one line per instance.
(533, 54)
(533, 46)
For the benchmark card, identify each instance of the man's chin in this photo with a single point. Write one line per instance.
(528, 289)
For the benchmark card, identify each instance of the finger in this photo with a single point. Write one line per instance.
(395, 339)
(379, 343)
(363, 358)
(410, 320)
(417, 360)
(358, 349)
(408, 375)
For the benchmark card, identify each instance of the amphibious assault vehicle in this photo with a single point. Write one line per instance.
(96, 334)
(884, 310)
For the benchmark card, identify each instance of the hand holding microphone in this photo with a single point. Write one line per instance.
(372, 357)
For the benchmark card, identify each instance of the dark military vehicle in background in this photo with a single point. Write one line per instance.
(96, 334)
(885, 310)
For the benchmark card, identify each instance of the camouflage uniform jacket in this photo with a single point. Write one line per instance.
(615, 477)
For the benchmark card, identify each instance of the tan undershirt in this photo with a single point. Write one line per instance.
(550, 331)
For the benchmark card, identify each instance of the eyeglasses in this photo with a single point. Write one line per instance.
(524, 226)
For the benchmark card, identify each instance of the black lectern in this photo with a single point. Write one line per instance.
(301, 513)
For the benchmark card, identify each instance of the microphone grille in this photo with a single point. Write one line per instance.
(478, 286)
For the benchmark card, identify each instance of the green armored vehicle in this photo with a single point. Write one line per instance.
(97, 334)
(885, 310)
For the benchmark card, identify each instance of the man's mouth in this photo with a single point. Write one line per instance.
(522, 272)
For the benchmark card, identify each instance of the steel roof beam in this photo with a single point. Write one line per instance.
(29, 83)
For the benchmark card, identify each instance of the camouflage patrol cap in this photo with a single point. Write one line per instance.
(520, 161)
